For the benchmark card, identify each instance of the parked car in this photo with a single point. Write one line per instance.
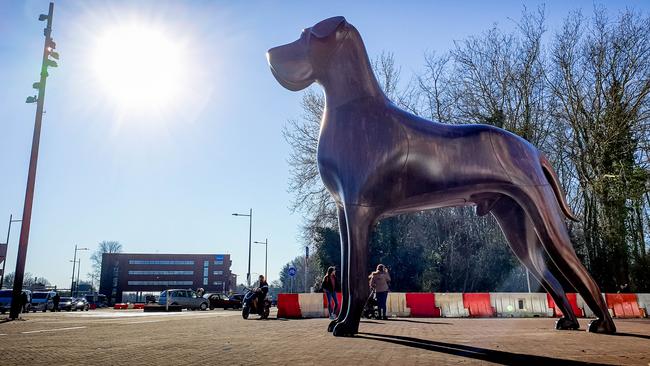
(81, 304)
(42, 301)
(66, 303)
(6, 297)
(222, 301)
(238, 297)
(186, 298)
(98, 300)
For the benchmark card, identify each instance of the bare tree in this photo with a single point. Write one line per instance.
(103, 247)
(602, 81)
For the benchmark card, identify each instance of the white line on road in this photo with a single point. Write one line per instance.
(51, 330)
(146, 321)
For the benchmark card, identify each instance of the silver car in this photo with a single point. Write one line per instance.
(185, 298)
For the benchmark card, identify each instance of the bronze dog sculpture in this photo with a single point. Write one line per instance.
(377, 160)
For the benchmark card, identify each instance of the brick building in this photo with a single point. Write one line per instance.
(130, 277)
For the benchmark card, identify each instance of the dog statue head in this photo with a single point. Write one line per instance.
(298, 64)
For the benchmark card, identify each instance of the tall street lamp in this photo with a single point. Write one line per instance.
(74, 262)
(48, 51)
(250, 230)
(4, 259)
(73, 281)
(266, 255)
(76, 285)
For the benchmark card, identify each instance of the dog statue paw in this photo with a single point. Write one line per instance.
(566, 324)
(345, 329)
(601, 326)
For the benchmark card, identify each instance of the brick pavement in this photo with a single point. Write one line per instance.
(108, 337)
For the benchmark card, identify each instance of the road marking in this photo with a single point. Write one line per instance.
(51, 330)
(146, 321)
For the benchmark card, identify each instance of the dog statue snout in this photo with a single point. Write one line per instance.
(290, 65)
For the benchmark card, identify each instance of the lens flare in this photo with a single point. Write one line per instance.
(138, 66)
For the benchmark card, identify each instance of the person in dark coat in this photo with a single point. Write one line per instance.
(262, 290)
(55, 300)
(329, 286)
(23, 301)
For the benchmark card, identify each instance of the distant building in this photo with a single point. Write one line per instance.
(131, 277)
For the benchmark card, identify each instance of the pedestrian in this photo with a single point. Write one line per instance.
(329, 286)
(55, 301)
(23, 302)
(379, 281)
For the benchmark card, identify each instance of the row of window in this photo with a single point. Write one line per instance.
(160, 283)
(165, 262)
(188, 273)
(205, 272)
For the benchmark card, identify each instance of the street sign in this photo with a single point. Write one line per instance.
(292, 271)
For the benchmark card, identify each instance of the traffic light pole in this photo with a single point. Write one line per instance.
(31, 177)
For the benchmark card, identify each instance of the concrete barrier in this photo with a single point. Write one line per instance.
(520, 305)
(573, 300)
(311, 305)
(451, 305)
(288, 306)
(478, 304)
(644, 303)
(458, 305)
(623, 305)
(396, 305)
(422, 305)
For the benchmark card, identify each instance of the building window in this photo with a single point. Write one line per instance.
(216, 273)
(218, 283)
(205, 272)
(218, 262)
(153, 273)
(160, 283)
(170, 262)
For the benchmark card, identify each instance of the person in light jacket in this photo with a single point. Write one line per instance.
(379, 281)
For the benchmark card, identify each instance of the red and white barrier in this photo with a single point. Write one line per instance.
(451, 305)
(644, 303)
(459, 305)
(520, 305)
(396, 305)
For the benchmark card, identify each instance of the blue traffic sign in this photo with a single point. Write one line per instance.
(292, 271)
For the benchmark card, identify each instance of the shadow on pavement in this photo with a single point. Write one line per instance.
(484, 354)
(417, 321)
(642, 336)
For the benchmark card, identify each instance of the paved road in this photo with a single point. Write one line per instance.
(131, 337)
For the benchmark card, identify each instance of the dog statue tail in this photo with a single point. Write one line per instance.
(555, 184)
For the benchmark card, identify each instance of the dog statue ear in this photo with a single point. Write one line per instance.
(327, 27)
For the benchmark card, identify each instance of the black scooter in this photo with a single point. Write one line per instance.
(250, 304)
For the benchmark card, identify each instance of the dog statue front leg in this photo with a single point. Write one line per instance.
(343, 230)
(359, 221)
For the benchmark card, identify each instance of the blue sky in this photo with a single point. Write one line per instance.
(166, 177)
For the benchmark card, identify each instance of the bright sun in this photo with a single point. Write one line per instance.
(138, 66)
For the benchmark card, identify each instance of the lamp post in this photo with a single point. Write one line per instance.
(4, 261)
(76, 285)
(74, 262)
(266, 255)
(48, 50)
(250, 230)
(72, 285)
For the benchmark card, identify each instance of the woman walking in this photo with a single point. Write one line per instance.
(379, 280)
(329, 286)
